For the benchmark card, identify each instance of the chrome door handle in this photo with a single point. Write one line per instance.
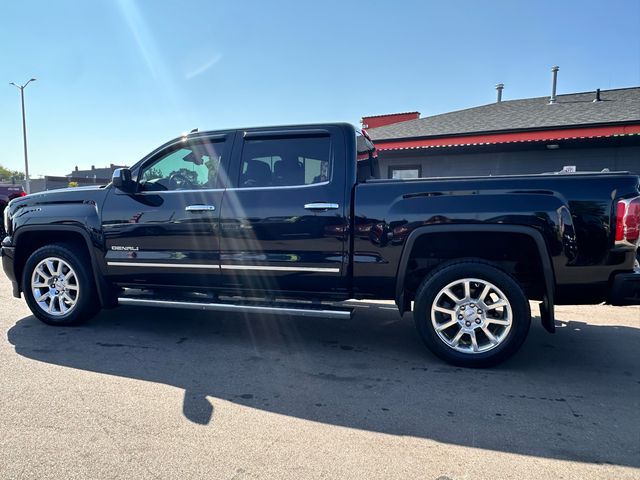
(321, 206)
(200, 208)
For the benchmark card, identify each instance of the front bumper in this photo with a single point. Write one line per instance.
(625, 289)
(8, 254)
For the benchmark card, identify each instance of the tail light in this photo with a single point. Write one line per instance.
(23, 193)
(628, 221)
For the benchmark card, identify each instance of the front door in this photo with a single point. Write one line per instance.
(167, 232)
(283, 224)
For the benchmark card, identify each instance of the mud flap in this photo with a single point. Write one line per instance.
(547, 315)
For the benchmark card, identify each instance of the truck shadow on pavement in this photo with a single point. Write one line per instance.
(569, 396)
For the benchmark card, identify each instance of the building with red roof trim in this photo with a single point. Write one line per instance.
(591, 131)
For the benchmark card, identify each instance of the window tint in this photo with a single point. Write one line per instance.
(191, 166)
(285, 161)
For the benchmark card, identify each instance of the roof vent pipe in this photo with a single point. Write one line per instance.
(499, 88)
(597, 99)
(554, 84)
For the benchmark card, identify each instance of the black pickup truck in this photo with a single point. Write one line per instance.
(293, 220)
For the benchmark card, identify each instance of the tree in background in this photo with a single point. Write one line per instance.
(7, 175)
(152, 174)
(188, 174)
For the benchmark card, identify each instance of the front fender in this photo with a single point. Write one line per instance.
(81, 219)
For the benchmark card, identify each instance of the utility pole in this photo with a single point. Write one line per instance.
(24, 133)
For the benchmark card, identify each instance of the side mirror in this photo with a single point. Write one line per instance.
(121, 179)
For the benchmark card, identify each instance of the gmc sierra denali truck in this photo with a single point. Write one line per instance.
(292, 220)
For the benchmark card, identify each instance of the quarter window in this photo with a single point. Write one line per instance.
(285, 161)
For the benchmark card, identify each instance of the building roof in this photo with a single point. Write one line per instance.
(375, 121)
(391, 114)
(617, 106)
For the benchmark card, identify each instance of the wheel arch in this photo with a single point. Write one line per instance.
(547, 304)
(29, 238)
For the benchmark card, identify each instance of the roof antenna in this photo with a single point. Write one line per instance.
(499, 88)
(597, 99)
(554, 71)
(195, 130)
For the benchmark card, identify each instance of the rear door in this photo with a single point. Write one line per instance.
(283, 223)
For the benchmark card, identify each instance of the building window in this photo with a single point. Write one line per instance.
(405, 171)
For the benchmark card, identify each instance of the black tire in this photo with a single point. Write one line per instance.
(86, 302)
(510, 339)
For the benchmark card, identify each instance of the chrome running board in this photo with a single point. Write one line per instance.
(303, 310)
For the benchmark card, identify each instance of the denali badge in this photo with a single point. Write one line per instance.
(122, 248)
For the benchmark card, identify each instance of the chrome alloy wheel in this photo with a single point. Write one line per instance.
(54, 286)
(471, 315)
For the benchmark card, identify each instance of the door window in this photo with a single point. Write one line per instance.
(189, 166)
(285, 162)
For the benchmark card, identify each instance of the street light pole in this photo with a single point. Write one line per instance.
(24, 133)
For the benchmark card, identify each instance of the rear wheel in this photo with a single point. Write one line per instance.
(58, 287)
(472, 314)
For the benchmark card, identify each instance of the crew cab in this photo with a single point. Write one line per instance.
(293, 219)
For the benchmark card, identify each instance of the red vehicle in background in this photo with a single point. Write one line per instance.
(8, 191)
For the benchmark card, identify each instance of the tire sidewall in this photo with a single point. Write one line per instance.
(85, 303)
(432, 285)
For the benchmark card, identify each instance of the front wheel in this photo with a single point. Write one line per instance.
(472, 314)
(58, 287)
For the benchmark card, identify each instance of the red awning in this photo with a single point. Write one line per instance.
(514, 137)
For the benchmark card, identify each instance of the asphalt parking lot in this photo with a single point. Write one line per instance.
(179, 394)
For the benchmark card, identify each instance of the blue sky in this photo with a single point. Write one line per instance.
(117, 78)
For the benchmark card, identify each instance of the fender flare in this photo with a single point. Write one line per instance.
(101, 285)
(547, 304)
